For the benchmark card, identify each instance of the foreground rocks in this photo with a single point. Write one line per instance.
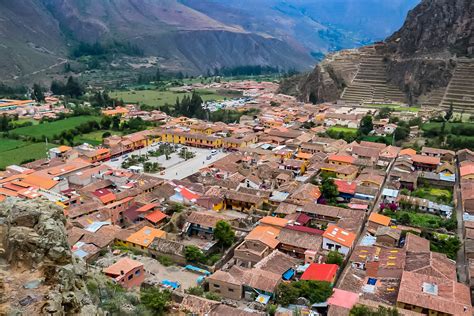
(38, 274)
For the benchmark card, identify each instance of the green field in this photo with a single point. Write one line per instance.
(9, 144)
(434, 194)
(339, 129)
(394, 107)
(93, 138)
(21, 152)
(49, 129)
(158, 98)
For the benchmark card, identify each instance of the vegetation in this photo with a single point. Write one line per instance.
(156, 300)
(314, 291)
(434, 194)
(366, 125)
(165, 260)
(18, 152)
(362, 310)
(335, 257)
(417, 219)
(224, 234)
(212, 296)
(98, 49)
(194, 254)
(329, 189)
(195, 290)
(72, 88)
(447, 244)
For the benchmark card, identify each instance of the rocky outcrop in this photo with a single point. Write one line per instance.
(419, 59)
(39, 273)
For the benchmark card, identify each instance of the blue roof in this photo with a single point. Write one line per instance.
(197, 269)
(168, 283)
(80, 253)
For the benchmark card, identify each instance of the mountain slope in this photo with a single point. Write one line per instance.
(418, 61)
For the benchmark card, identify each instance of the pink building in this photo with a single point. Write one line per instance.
(126, 272)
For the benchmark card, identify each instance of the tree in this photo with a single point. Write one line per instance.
(401, 133)
(366, 125)
(329, 189)
(404, 219)
(449, 112)
(224, 233)
(105, 122)
(335, 257)
(362, 310)
(73, 88)
(155, 300)
(194, 254)
(314, 291)
(116, 122)
(384, 113)
(37, 94)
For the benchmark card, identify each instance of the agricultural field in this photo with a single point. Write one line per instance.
(394, 107)
(21, 152)
(434, 194)
(157, 98)
(49, 129)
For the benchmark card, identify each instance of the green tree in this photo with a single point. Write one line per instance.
(401, 133)
(224, 234)
(362, 310)
(116, 122)
(329, 189)
(314, 291)
(366, 125)
(384, 113)
(105, 122)
(449, 112)
(335, 257)
(404, 219)
(155, 300)
(73, 88)
(38, 94)
(194, 254)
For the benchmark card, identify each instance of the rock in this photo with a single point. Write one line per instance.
(33, 284)
(302, 301)
(28, 300)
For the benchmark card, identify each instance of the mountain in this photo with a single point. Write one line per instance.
(428, 62)
(191, 36)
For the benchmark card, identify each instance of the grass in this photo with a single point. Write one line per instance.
(158, 98)
(49, 129)
(420, 220)
(434, 194)
(9, 144)
(394, 107)
(24, 151)
(339, 129)
(94, 138)
(448, 127)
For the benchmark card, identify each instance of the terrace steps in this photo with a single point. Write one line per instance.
(460, 91)
(370, 83)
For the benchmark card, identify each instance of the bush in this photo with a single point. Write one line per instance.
(194, 254)
(335, 257)
(212, 296)
(314, 291)
(195, 290)
(155, 300)
(165, 260)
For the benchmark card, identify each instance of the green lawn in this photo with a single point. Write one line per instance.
(448, 127)
(93, 138)
(339, 129)
(159, 98)
(54, 128)
(18, 155)
(420, 220)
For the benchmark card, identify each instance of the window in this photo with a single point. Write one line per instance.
(231, 290)
(130, 276)
(217, 286)
(137, 272)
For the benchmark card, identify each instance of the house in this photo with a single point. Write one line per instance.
(297, 166)
(228, 284)
(279, 263)
(202, 223)
(387, 236)
(242, 201)
(425, 163)
(433, 295)
(466, 171)
(273, 221)
(306, 193)
(389, 195)
(341, 160)
(164, 247)
(141, 239)
(295, 242)
(338, 239)
(126, 272)
(443, 154)
(258, 244)
(377, 220)
(320, 272)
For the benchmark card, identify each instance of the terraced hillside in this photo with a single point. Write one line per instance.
(460, 91)
(370, 84)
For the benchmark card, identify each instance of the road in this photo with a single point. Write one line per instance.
(175, 167)
(461, 255)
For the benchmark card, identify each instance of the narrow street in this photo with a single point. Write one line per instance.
(461, 256)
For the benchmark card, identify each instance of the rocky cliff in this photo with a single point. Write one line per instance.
(38, 274)
(419, 61)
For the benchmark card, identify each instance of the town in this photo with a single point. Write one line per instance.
(333, 208)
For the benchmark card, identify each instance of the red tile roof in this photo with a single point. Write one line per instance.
(340, 158)
(346, 187)
(340, 236)
(156, 217)
(320, 272)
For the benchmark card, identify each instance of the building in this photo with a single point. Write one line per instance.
(320, 272)
(141, 239)
(432, 295)
(338, 239)
(126, 272)
(377, 220)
